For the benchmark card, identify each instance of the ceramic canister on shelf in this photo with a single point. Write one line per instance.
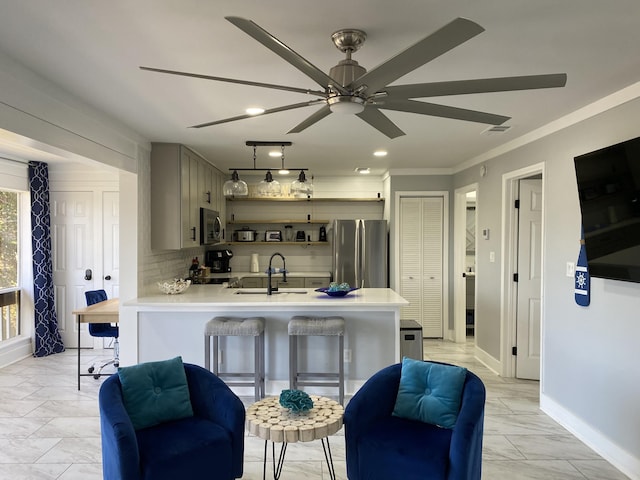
(255, 267)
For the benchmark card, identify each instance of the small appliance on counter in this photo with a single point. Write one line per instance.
(323, 234)
(244, 235)
(218, 260)
(300, 237)
(273, 236)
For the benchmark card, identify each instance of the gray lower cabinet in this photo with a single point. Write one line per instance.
(316, 282)
(254, 282)
(292, 282)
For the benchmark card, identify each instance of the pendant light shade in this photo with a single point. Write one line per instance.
(301, 188)
(235, 187)
(269, 187)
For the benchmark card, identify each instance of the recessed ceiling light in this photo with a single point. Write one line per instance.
(254, 110)
(363, 170)
(380, 153)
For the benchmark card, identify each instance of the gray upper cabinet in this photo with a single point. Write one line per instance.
(182, 182)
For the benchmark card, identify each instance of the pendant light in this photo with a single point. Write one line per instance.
(269, 187)
(301, 188)
(235, 187)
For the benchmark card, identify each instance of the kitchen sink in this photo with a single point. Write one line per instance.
(263, 291)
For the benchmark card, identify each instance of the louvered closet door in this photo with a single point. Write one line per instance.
(421, 262)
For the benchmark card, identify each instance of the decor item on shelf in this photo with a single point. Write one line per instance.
(300, 237)
(301, 188)
(296, 400)
(235, 187)
(288, 233)
(175, 286)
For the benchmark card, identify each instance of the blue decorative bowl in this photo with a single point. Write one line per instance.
(335, 293)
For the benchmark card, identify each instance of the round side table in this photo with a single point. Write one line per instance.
(268, 420)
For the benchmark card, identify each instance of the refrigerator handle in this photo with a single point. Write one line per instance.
(361, 253)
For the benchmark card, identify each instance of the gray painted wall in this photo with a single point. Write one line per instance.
(590, 361)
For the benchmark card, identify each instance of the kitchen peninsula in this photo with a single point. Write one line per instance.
(162, 326)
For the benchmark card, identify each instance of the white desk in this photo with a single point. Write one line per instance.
(102, 312)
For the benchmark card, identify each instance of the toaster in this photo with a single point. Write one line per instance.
(273, 236)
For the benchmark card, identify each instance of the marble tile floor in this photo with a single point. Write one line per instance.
(50, 430)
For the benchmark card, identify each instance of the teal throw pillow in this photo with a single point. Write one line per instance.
(155, 392)
(430, 392)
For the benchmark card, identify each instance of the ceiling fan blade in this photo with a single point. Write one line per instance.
(481, 85)
(423, 108)
(276, 46)
(241, 82)
(266, 112)
(316, 117)
(380, 122)
(448, 37)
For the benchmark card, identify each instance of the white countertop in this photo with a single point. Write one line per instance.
(199, 296)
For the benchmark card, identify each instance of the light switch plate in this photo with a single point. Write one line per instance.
(571, 269)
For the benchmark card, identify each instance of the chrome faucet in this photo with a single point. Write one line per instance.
(270, 270)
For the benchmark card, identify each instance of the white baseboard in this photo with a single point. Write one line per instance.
(618, 457)
(13, 350)
(487, 360)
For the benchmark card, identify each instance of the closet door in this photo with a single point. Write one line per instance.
(421, 262)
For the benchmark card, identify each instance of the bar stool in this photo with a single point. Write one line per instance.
(316, 326)
(227, 327)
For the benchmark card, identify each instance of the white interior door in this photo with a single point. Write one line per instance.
(72, 240)
(528, 314)
(421, 262)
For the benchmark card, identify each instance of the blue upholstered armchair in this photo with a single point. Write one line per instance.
(380, 446)
(210, 444)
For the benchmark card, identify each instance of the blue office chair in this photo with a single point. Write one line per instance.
(380, 446)
(104, 330)
(208, 445)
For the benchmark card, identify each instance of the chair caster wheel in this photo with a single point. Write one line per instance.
(97, 377)
(90, 369)
(116, 365)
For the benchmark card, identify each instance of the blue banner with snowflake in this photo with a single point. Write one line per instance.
(582, 286)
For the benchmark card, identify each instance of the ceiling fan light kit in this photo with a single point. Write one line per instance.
(349, 88)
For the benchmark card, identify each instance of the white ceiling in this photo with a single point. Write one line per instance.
(93, 49)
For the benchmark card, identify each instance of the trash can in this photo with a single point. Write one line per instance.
(411, 339)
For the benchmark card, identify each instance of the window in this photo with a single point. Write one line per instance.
(9, 292)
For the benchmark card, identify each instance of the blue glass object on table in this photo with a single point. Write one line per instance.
(296, 400)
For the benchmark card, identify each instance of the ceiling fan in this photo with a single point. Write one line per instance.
(349, 88)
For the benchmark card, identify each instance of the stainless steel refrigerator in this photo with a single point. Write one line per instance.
(360, 253)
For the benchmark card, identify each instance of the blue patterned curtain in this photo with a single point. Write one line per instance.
(48, 339)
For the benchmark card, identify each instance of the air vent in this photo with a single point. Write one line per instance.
(496, 129)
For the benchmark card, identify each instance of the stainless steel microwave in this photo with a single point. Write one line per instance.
(210, 227)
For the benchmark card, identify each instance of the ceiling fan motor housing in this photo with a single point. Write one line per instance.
(347, 71)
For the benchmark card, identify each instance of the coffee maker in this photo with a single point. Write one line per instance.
(218, 260)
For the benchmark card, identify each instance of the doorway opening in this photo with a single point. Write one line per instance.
(465, 221)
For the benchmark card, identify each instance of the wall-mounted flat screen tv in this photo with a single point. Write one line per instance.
(609, 190)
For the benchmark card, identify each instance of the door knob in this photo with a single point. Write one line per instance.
(108, 277)
(88, 274)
